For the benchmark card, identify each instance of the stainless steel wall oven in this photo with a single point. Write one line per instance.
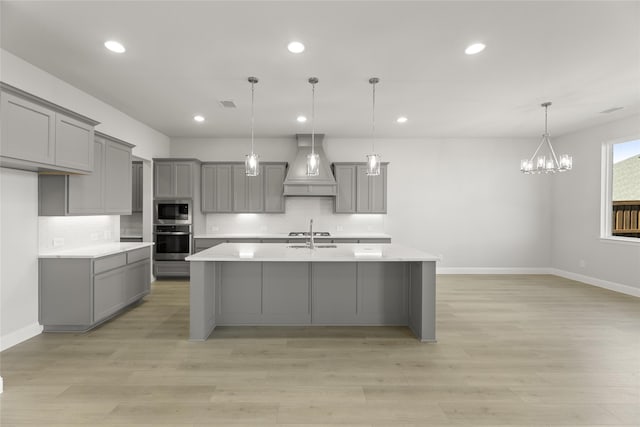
(172, 242)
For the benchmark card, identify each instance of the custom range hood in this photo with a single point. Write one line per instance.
(298, 183)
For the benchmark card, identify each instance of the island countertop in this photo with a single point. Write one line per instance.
(286, 252)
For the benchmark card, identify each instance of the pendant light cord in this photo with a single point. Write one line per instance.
(313, 117)
(373, 121)
(252, 117)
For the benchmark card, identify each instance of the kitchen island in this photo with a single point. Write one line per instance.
(290, 284)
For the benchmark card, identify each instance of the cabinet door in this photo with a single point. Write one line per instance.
(74, 144)
(136, 187)
(138, 278)
(346, 188)
(362, 190)
(117, 183)
(28, 130)
(255, 192)
(240, 196)
(216, 189)
(240, 297)
(334, 293)
(274, 188)
(86, 192)
(183, 175)
(286, 292)
(163, 180)
(378, 191)
(108, 293)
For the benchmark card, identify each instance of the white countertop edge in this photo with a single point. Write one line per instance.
(96, 251)
(278, 252)
(286, 236)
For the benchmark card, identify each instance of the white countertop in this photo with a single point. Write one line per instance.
(282, 252)
(96, 251)
(286, 236)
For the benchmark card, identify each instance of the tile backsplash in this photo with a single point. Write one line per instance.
(57, 232)
(299, 210)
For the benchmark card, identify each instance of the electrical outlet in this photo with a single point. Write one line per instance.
(583, 263)
(58, 241)
(339, 228)
(214, 228)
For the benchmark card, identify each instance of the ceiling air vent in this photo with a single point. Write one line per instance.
(227, 104)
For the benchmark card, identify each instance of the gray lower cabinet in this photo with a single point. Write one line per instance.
(76, 294)
(39, 135)
(227, 189)
(334, 293)
(174, 178)
(105, 191)
(357, 192)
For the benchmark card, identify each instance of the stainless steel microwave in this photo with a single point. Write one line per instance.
(172, 212)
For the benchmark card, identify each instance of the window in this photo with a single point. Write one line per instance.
(622, 190)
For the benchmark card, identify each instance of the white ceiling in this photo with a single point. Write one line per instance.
(184, 57)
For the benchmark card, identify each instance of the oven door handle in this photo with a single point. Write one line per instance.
(168, 233)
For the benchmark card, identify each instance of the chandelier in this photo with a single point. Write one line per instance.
(548, 163)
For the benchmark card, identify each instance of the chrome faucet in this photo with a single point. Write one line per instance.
(311, 243)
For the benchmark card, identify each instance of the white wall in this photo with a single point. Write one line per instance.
(23, 274)
(18, 257)
(464, 199)
(76, 232)
(576, 213)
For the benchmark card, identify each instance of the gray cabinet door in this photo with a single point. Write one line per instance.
(117, 179)
(286, 293)
(334, 293)
(137, 280)
(108, 293)
(217, 194)
(363, 195)
(163, 180)
(346, 188)
(274, 188)
(371, 191)
(28, 130)
(86, 192)
(248, 191)
(240, 293)
(183, 173)
(74, 143)
(136, 187)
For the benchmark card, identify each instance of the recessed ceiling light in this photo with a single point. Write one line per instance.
(301, 119)
(114, 46)
(402, 119)
(295, 47)
(198, 118)
(474, 48)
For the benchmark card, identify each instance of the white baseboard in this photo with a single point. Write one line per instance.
(9, 340)
(493, 270)
(612, 286)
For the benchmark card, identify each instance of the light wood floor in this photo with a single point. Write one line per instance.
(511, 351)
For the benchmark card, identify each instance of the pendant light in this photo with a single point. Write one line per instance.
(313, 160)
(549, 163)
(373, 159)
(252, 161)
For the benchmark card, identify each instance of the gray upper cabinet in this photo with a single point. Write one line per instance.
(38, 135)
(227, 189)
(217, 192)
(357, 192)
(136, 187)
(248, 191)
(274, 175)
(105, 191)
(174, 179)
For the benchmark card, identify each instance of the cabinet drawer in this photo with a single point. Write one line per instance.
(137, 255)
(109, 263)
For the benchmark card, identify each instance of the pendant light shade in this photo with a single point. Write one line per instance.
(547, 161)
(373, 159)
(252, 161)
(313, 160)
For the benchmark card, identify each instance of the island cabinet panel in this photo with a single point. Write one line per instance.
(382, 293)
(217, 191)
(240, 293)
(286, 293)
(334, 293)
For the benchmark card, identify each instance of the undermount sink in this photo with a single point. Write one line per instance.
(307, 247)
